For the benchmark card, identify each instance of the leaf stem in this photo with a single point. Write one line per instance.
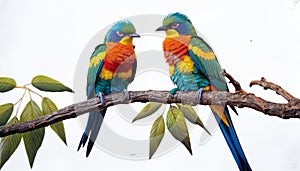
(35, 92)
(23, 87)
(20, 102)
(29, 90)
(29, 94)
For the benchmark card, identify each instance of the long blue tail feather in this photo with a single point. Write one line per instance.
(233, 142)
(92, 129)
(87, 130)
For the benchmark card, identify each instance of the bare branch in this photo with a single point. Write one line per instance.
(269, 85)
(243, 99)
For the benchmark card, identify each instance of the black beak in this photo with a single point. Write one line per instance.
(134, 35)
(162, 28)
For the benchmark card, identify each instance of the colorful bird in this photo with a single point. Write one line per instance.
(112, 68)
(193, 66)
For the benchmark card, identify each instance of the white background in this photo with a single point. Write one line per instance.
(252, 39)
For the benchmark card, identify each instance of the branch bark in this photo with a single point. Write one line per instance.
(240, 99)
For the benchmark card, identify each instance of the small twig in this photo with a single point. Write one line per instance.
(236, 84)
(269, 85)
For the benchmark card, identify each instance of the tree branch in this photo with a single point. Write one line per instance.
(291, 109)
(269, 85)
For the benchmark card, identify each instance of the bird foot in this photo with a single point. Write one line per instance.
(199, 94)
(173, 92)
(126, 94)
(100, 95)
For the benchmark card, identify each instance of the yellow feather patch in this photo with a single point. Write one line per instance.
(126, 40)
(185, 66)
(207, 88)
(219, 110)
(171, 70)
(171, 33)
(96, 60)
(199, 52)
(125, 75)
(106, 74)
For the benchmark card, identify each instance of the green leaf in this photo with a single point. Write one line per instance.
(45, 83)
(156, 134)
(33, 139)
(5, 112)
(9, 144)
(190, 114)
(177, 127)
(48, 106)
(148, 110)
(7, 84)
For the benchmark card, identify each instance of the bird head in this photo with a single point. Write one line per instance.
(176, 24)
(121, 32)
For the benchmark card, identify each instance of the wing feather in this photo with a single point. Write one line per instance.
(206, 61)
(95, 66)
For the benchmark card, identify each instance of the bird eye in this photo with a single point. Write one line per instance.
(175, 25)
(119, 33)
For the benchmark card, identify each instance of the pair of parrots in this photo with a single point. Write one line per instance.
(193, 66)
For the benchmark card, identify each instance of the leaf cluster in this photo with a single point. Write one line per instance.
(175, 122)
(33, 139)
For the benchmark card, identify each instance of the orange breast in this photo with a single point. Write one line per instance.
(175, 49)
(119, 56)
